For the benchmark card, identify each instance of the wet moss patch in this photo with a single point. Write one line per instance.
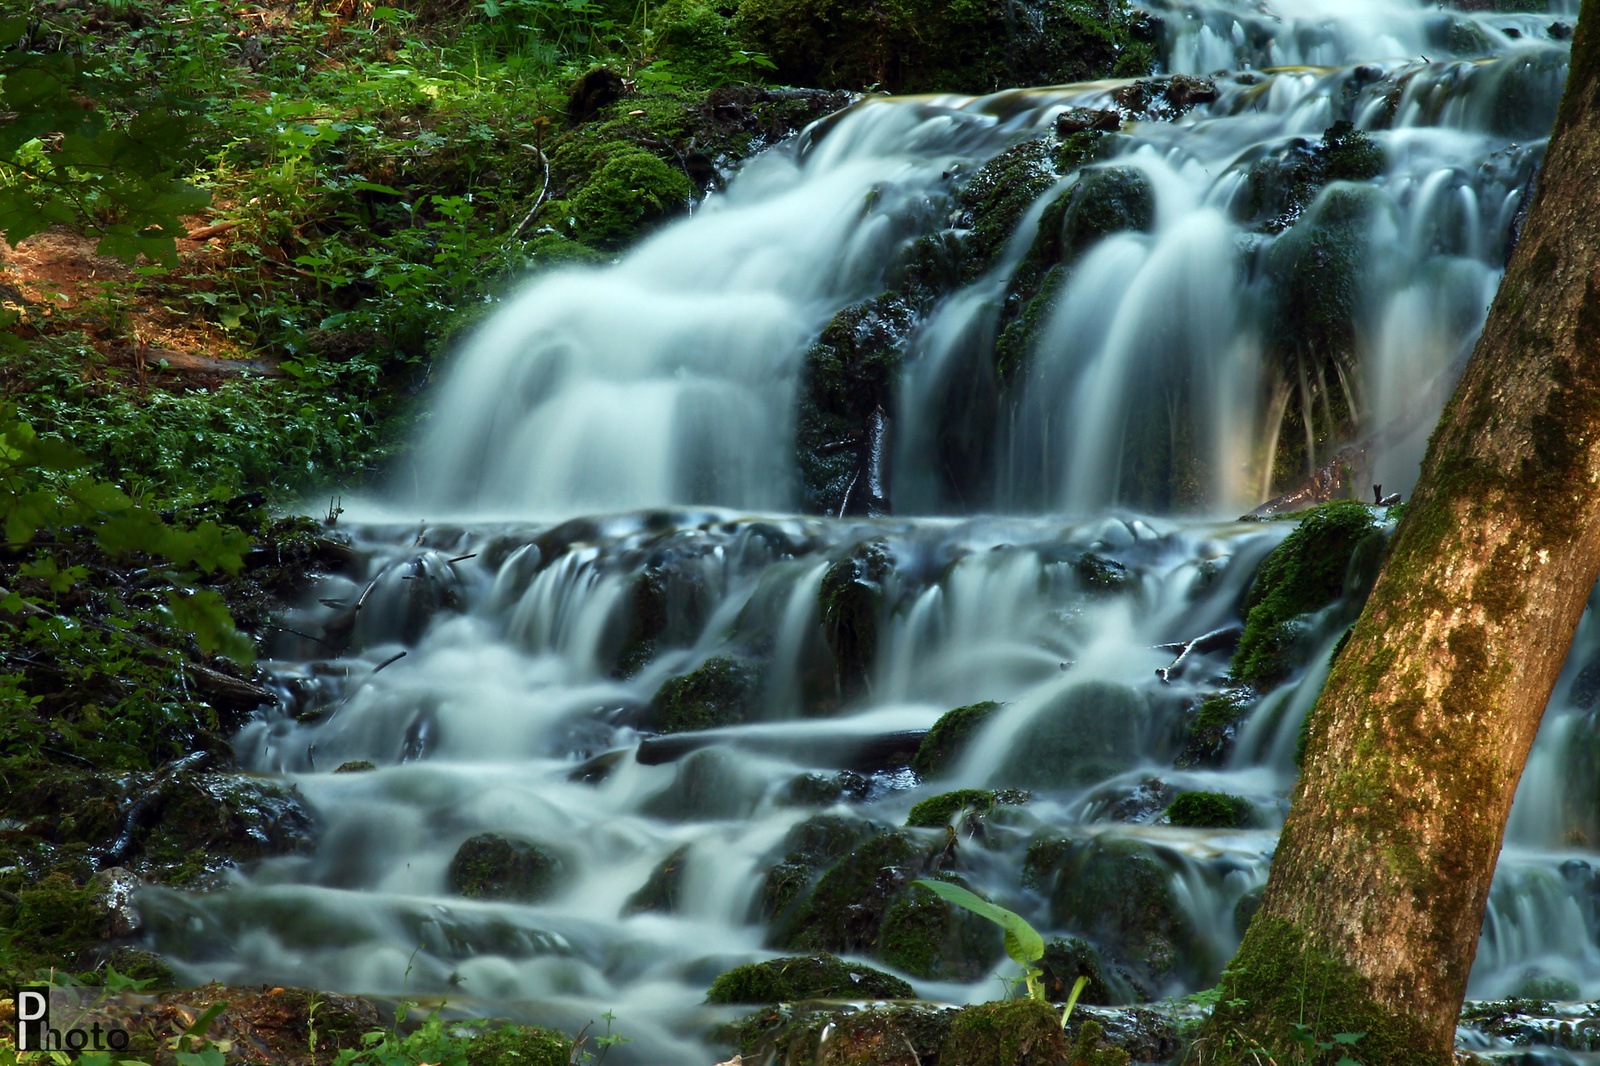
(818, 976)
(949, 738)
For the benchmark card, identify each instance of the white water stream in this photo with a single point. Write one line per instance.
(660, 392)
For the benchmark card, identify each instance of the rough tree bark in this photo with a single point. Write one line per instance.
(1370, 919)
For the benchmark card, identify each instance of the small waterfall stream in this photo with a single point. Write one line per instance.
(621, 441)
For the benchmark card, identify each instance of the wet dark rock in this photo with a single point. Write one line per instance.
(667, 609)
(710, 784)
(1100, 574)
(929, 938)
(1137, 802)
(1065, 960)
(1246, 909)
(809, 847)
(824, 790)
(1282, 185)
(355, 766)
(114, 891)
(850, 601)
(494, 867)
(818, 976)
(1117, 892)
(1086, 734)
(719, 692)
(845, 910)
(950, 737)
(1165, 98)
(1077, 119)
(663, 890)
(1561, 31)
(1211, 810)
(898, 1035)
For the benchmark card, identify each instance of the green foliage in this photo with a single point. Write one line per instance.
(1305, 573)
(1023, 942)
(437, 1044)
(84, 147)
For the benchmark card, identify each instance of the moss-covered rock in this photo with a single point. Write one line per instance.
(818, 976)
(1211, 810)
(936, 812)
(809, 847)
(976, 46)
(721, 691)
(850, 600)
(889, 1035)
(355, 766)
(1090, 1047)
(631, 192)
(1282, 185)
(1019, 1033)
(844, 912)
(1117, 892)
(1245, 909)
(1216, 725)
(949, 738)
(490, 866)
(663, 890)
(1305, 573)
(710, 784)
(1065, 960)
(1088, 733)
(824, 790)
(928, 937)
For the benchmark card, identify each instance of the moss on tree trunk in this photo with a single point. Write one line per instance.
(1370, 920)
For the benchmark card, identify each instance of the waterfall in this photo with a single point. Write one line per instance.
(610, 483)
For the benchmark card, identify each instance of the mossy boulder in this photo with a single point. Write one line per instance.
(1017, 1033)
(1117, 892)
(355, 766)
(709, 784)
(1280, 186)
(1305, 573)
(844, 912)
(818, 976)
(1211, 810)
(493, 867)
(950, 737)
(885, 1035)
(930, 938)
(846, 375)
(633, 191)
(824, 790)
(936, 812)
(662, 892)
(1065, 960)
(809, 847)
(850, 601)
(1216, 725)
(721, 691)
(1087, 733)
(974, 46)
(1091, 1048)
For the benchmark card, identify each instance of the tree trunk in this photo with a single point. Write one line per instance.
(1370, 920)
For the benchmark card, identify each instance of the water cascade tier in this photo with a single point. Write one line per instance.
(878, 521)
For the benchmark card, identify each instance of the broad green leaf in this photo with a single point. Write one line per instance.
(1023, 942)
(204, 615)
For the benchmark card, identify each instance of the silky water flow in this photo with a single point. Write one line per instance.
(636, 423)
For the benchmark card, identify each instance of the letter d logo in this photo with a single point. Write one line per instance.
(33, 1015)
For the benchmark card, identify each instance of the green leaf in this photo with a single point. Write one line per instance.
(204, 614)
(1023, 942)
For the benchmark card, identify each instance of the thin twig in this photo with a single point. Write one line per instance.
(537, 204)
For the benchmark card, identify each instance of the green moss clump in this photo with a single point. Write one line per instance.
(490, 866)
(1282, 186)
(355, 766)
(809, 847)
(937, 811)
(1211, 810)
(1018, 1033)
(818, 976)
(630, 193)
(975, 46)
(1305, 573)
(519, 1045)
(721, 691)
(55, 923)
(1065, 960)
(947, 741)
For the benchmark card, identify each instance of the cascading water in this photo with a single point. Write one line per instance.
(541, 647)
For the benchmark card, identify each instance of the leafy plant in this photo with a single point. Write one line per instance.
(1023, 942)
